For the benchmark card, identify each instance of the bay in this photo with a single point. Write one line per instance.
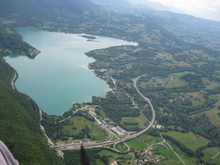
(58, 76)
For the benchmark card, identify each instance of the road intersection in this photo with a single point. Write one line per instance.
(76, 146)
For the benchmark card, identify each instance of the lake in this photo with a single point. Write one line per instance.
(59, 76)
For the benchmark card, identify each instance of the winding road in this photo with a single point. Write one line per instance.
(76, 146)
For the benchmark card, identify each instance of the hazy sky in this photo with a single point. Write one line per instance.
(209, 9)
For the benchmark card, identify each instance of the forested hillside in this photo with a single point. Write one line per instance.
(12, 43)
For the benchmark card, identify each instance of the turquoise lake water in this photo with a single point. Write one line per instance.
(59, 76)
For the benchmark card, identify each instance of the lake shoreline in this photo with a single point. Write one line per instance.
(61, 74)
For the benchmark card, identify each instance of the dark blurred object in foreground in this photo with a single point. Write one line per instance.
(84, 157)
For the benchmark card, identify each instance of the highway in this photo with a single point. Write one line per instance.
(76, 146)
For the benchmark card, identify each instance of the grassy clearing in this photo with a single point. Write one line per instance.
(216, 160)
(140, 119)
(79, 123)
(214, 97)
(190, 140)
(209, 153)
(114, 154)
(114, 138)
(198, 98)
(200, 63)
(143, 142)
(178, 83)
(194, 94)
(210, 84)
(102, 113)
(213, 115)
(181, 74)
(129, 85)
(98, 133)
(171, 162)
(150, 82)
(164, 56)
(121, 147)
(171, 158)
(198, 101)
(99, 162)
(186, 159)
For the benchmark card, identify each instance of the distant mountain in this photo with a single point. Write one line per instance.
(36, 10)
(153, 5)
(211, 14)
(123, 3)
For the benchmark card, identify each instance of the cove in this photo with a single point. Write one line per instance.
(58, 76)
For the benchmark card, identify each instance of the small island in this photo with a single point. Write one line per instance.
(89, 37)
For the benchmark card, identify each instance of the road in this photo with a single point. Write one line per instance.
(13, 80)
(76, 146)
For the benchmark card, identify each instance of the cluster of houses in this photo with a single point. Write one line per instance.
(149, 155)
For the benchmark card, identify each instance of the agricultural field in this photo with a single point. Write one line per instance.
(178, 83)
(170, 157)
(212, 155)
(112, 156)
(185, 158)
(190, 140)
(213, 115)
(209, 153)
(132, 122)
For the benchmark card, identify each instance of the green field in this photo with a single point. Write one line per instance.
(113, 154)
(182, 73)
(178, 83)
(102, 113)
(121, 147)
(171, 158)
(141, 120)
(185, 158)
(210, 152)
(190, 140)
(99, 162)
(215, 97)
(143, 142)
(80, 123)
(213, 115)
(199, 101)
(98, 133)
